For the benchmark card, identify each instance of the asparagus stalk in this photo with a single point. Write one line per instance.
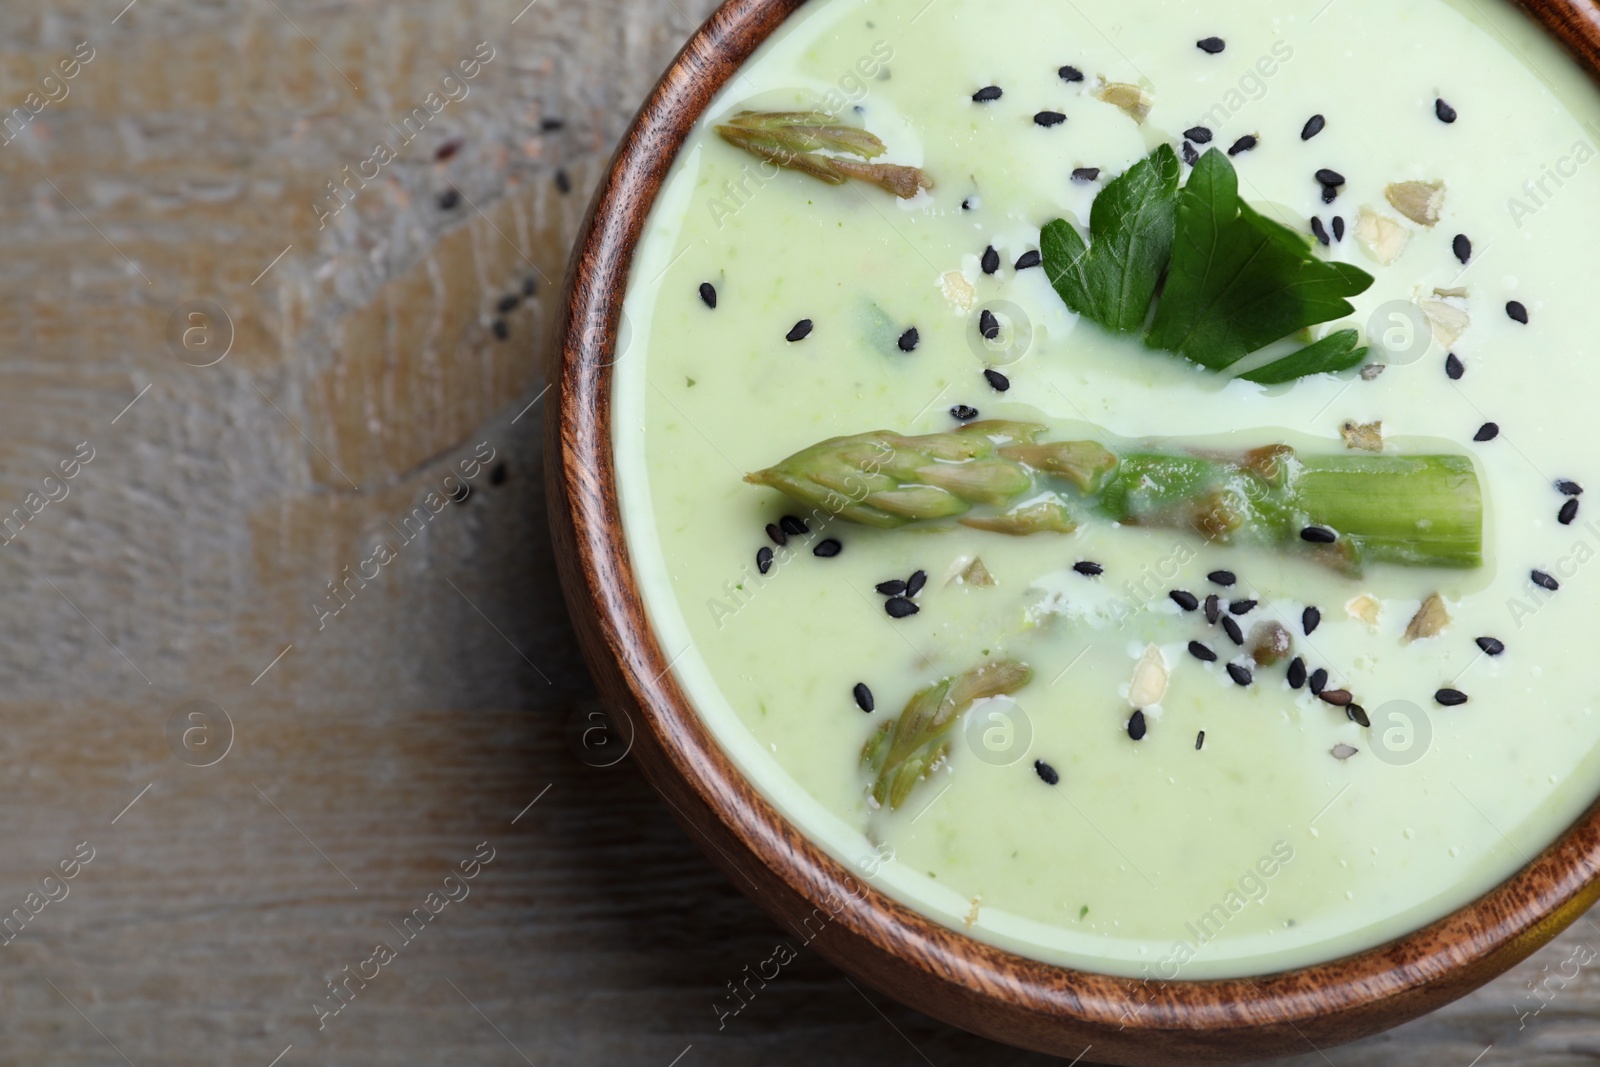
(795, 139)
(903, 750)
(1344, 511)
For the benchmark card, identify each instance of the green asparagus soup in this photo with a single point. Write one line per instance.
(1113, 472)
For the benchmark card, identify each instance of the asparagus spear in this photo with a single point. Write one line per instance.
(1342, 510)
(793, 139)
(903, 750)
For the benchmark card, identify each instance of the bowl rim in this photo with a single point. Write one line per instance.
(906, 955)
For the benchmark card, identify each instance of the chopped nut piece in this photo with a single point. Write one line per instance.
(958, 290)
(1129, 98)
(1149, 679)
(1380, 237)
(1365, 436)
(972, 913)
(1447, 321)
(1459, 291)
(975, 573)
(1420, 202)
(1365, 607)
(1269, 643)
(1343, 752)
(1430, 619)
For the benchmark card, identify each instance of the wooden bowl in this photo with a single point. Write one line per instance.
(874, 938)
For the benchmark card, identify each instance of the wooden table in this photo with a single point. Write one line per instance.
(169, 605)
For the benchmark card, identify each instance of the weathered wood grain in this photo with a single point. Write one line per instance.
(425, 716)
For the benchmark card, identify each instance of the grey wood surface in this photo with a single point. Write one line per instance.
(366, 753)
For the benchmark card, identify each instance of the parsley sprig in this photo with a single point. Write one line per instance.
(1234, 280)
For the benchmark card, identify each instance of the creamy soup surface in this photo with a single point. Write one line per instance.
(1268, 844)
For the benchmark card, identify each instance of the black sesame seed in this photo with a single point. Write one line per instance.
(1329, 177)
(708, 293)
(1317, 681)
(1243, 144)
(500, 329)
(793, 525)
(497, 474)
(1462, 247)
(775, 532)
(988, 325)
(1185, 600)
(1330, 193)
(1198, 134)
(997, 381)
(1338, 227)
(828, 549)
(987, 94)
(1199, 740)
(1450, 698)
(1211, 45)
(1047, 774)
(893, 587)
(1085, 174)
(449, 199)
(915, 583)
(1213, 608)
(1544, 581)
(1517, 311)
(1339, 698)
(1453, 367)
(1231, 628)
(1569, 487)
(1314, 125)
(1357, 714)
(1136, 726)
(1309, 620)
(863, 697)
(1240, 674)
(1202, 651)
(899, 607)
(991, 260)
(1049, 118)
(1297, 673)
(1446, 113)
(1568, 512)
(1241, 607)
(799, 332)
(1029, 259)
(1487, 432)
(1190, 156)
(508, 303)
(764, 559)
(1222, 578)
(966, 205)
(963, 413)
(1088, 569)
(448, 149)
(563, 183)
(1491, 646)
(908, 340)
(1070, 74)
(550, 125)
(1320, 232)
(1318, 535)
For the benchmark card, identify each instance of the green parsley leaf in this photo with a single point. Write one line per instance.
(1113, 280)
(1340, 350)
(1239, 281)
